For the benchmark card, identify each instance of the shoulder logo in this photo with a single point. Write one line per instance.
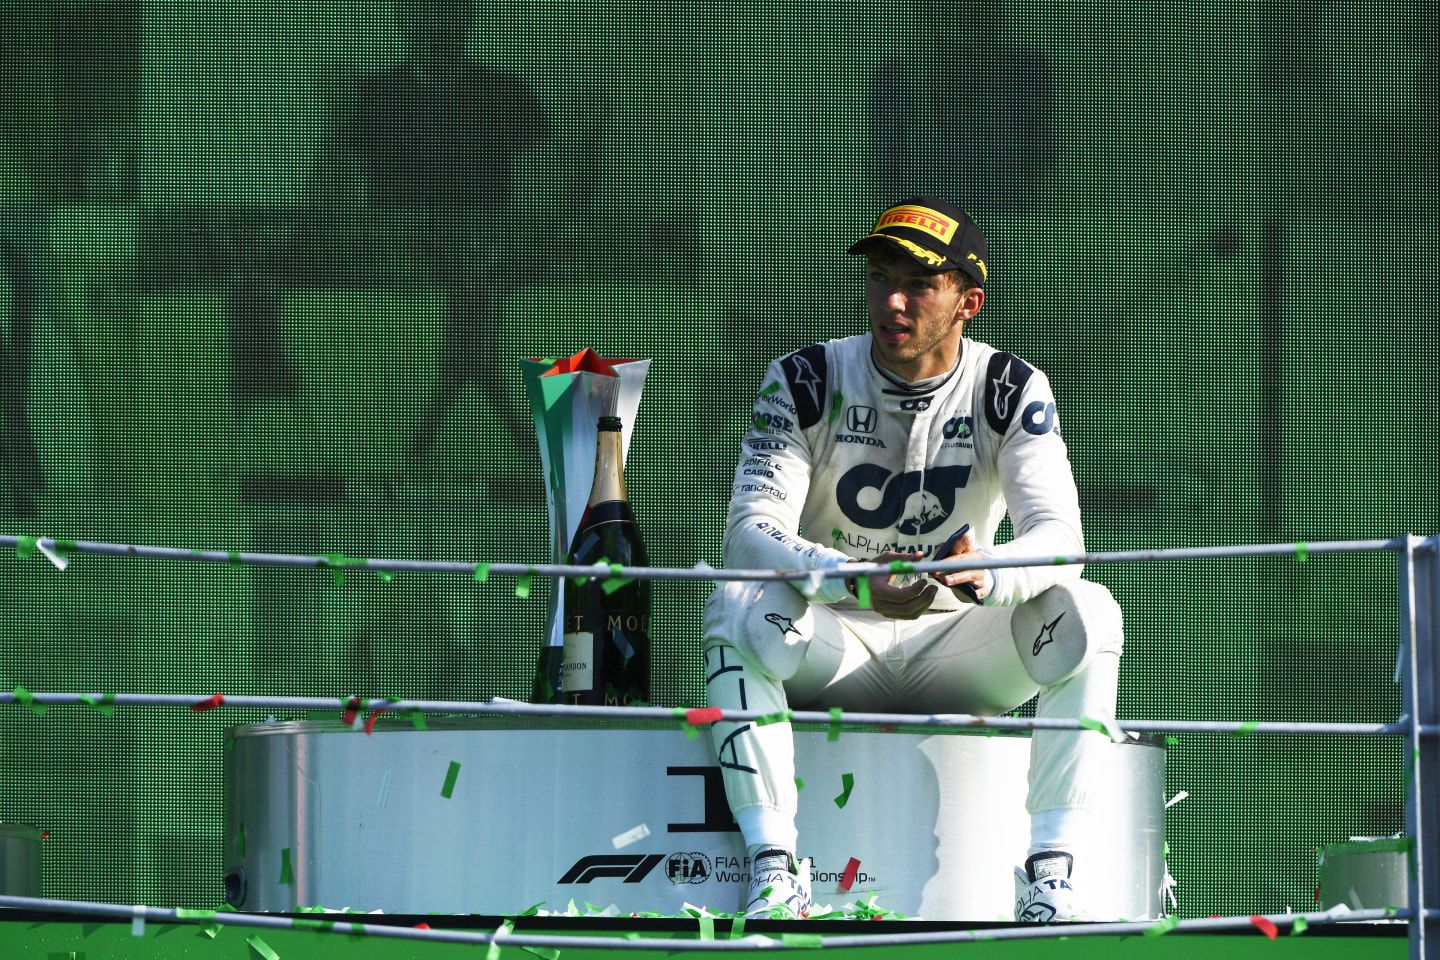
(805, 377)
(1002, 389)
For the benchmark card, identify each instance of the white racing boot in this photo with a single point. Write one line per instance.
(779, 886)
(1044, 892)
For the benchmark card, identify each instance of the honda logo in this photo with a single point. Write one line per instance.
(860, 419)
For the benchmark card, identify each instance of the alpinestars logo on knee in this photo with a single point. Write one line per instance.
(1047, 635)
(786, 625)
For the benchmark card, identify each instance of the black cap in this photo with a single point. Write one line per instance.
(935, 233)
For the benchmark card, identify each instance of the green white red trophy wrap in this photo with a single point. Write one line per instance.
(568, 396)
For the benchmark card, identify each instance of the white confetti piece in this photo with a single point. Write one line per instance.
(137, 921)
(813, 583)
(384, 791)
(633, 835)
(1176, 799)
(62, 563)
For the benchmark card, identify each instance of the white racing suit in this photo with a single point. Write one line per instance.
(845, 460)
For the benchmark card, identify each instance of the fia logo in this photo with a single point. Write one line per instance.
(861, 419)
(688, 868)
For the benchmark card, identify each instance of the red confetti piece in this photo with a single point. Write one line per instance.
(698, 718)
(352, 710)
(852, 869)
(1266, 927)
(370, 724)
(422, 926)
(1317, 893)
(44, 834)
(210, 704)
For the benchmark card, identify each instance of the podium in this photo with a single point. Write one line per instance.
(494, 815)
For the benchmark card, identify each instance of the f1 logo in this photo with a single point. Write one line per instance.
(632, 868)
(860, 419)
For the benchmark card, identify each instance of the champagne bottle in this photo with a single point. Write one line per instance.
(607, 635)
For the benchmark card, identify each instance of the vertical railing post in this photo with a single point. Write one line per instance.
(1419, 569)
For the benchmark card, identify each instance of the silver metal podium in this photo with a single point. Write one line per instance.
(494, 815)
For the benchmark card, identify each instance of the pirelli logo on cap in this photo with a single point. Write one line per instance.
(940, 227)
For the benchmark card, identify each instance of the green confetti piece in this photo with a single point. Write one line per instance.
(837, 403)
(25, 547)
(1302, 551)
(385, 575)
(450, 777)
(1059, 561)
(632, 935)
(337, 561)
(287, 875)
(66, 548)
(482, 572)
(27, 698)
(836, 537)
(1171, 741)
(834, 734)
(615, 581)
(1299, 926)
(211, 930)
(862, 592)
(493, 952)
(189, 913)
(532, 910)
(901, 566)
(1089, 723)
(314, 926)
(686, 727)
(240, 840)
(779, 716)
(737, 928)
(1163, 927)
(1246, 728)
(1165, 850)
(235, 560)
(707, 928)
(522, 584)
(773, 388)
(262, 948)
(549, 953)
(847, 781)
(802, 941)
(799, 784)
(417, 717)
(106, 703)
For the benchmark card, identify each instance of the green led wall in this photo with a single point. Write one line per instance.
(1212, 225)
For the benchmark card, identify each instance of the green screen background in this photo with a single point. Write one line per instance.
(1224, 261)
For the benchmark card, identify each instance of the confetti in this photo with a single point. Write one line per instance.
(802, 941)
(1176, 799)
(799, 784)
(1302, 551)
(25, 547)
(1299, 926)
(208, 704)
(522, 584)
(633, 835)
(53, 555)
(862, 592)
(262, 948)
(847, 780)
(708, 715)
(482, 572)
(779, 716)
(737, 928)
(106, 703)
(287, 875)
(1265, 926)
(451, 775)
(707, 928)
(834, 734)
(1163, 927)
(493, 952)
(384, 797)
(1246, 728)
(137, 921)
(852, 869)
(28, 699)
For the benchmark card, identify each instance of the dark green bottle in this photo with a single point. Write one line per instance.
(606, 657)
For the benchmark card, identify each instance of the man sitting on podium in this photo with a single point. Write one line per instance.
(910, 443)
